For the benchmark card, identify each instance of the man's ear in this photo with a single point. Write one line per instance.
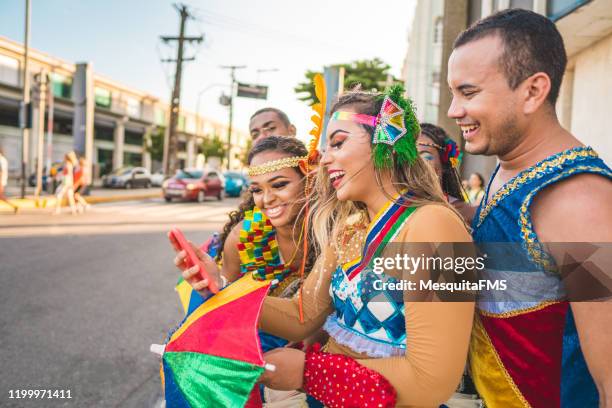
(292, 130)
(537, 89)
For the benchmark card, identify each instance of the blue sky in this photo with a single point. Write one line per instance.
(121, 39)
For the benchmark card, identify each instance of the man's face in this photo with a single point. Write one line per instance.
(268, 124)
(483, 104)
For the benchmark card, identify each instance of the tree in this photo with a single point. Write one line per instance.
(371, 75)
(244, 155)
(156, 146)
(213, 147)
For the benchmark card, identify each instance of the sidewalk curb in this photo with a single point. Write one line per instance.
(47, 202)
(116, 198)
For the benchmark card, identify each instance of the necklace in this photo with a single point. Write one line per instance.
(259, 251)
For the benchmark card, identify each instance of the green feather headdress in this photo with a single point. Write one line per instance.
(396, 129)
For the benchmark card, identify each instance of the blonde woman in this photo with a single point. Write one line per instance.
(66, 188)
(375, 199)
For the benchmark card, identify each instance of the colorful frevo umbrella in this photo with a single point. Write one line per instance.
(190, 299)
(214, 357)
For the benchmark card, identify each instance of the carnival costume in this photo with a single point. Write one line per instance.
(382, 342)
(525, 352)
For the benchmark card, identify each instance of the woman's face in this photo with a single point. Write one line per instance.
(430, 154)
(348, 160)
(475, 182)
(278, 193)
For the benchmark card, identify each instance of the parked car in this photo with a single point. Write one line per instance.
(235, 183)
(158, 178)
(194, 185)
(128, 177)
(49, 184)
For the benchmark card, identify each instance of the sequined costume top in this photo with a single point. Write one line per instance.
(525, 350)
(419, 347)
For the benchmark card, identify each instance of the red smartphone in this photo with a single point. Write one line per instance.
(192, 258)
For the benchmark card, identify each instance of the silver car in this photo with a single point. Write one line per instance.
(128, 177)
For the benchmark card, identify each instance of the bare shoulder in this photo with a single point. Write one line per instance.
(575, 209)
(234, 236)
(436, 223)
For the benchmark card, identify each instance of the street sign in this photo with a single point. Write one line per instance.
(252, 91)
(225, 100)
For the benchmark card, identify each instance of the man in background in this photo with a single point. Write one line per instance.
(270, 121)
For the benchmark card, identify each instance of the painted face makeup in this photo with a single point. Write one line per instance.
(348, 160)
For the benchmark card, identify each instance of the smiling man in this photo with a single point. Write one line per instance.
(270, 121)
(539, 349)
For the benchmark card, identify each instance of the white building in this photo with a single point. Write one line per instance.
(122, 121)
(586, 93)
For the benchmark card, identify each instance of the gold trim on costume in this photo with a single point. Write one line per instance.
(519, 312)
(530, 174)
(534, 248)
(480, 334)
(276, 165)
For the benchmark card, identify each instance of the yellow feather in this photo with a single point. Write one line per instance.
(319, 114)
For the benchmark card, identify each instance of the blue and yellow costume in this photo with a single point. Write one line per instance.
(525, 350)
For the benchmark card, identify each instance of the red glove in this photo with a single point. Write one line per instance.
(340, 381)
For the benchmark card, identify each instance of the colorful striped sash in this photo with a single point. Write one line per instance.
(382, 230)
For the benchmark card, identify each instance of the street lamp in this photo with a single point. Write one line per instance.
(208, 88)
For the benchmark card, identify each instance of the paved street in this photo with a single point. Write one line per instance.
(121, 217)
(83, 297)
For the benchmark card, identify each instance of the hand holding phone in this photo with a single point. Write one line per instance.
(192, 259)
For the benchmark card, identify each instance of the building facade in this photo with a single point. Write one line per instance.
(586, 93)
(115, 123)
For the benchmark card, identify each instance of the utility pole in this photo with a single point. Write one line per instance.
(232, 69)
(40, 130)
(25, 105)
(50, 121)
(171, 148)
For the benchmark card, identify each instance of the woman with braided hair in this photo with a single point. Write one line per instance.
(443, 154)
(375, 198)
(264, 237)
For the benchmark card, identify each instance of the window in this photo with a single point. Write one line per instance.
(9, 116)
(555, 9)
(9, 70)
(132, 159)
(523, 4)
(133, 107)
(61, 85)
(102, 97)
(189, 174)
(104, 133)
(160, 116)
(62, 125)
(105, 161)
(133, 138)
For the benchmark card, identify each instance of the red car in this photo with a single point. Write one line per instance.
(194, 185)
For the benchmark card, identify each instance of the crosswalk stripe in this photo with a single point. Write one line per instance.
(183, 212)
